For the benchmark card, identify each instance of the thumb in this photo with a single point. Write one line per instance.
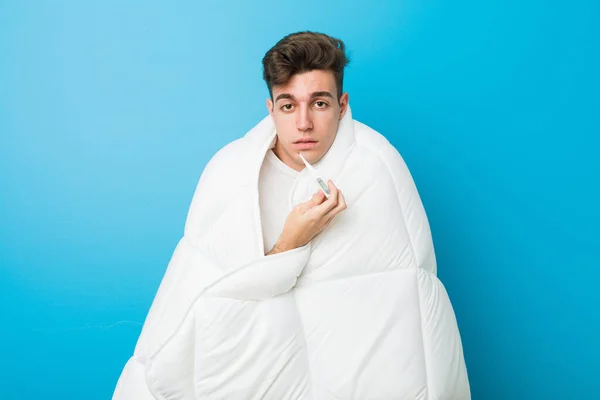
(316, 199)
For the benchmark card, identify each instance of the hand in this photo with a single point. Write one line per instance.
(309, 219)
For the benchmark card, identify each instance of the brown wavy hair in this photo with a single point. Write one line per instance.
(304, 52)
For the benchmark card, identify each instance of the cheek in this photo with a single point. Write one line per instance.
(285, 127)
(329, 129)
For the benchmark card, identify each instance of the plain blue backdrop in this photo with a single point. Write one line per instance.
(110, 110)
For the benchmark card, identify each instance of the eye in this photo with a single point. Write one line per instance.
(287, 107)
(321, 104)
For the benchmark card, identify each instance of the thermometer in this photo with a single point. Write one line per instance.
(320, 182)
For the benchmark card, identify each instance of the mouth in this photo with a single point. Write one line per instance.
(305, 144)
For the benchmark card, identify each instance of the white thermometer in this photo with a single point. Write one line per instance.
(320, 181)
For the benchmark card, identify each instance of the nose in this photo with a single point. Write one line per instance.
(303, 120)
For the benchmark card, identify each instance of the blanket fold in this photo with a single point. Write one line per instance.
(265, 278)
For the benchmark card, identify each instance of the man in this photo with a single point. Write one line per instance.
(277, 291)
(306, 103)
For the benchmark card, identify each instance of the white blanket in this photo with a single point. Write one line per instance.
(358, 313)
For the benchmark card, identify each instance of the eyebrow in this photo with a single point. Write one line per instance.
(312, 96)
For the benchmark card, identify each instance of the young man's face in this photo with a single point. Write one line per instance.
(306, 113)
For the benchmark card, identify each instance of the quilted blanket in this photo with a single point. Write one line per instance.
(357, 313)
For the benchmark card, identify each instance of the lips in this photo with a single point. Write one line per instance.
(304, 141)
(305, 144)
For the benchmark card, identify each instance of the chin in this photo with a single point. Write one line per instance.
(312, 156)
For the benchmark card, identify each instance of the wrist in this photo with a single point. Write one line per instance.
(281, 246)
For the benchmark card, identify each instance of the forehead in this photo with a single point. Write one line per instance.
(302, 85)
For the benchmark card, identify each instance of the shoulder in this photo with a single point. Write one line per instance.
(376, 146)
(223, 179)
(238, 157)
(228, 160)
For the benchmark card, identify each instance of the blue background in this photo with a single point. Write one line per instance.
(110, 110)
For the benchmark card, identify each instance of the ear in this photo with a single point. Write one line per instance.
(270, 106)
(344, 104)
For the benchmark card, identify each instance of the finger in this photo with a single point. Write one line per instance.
(330, 203)
(341, 206)
(315, 200)
(332, 187)
(318, 197)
